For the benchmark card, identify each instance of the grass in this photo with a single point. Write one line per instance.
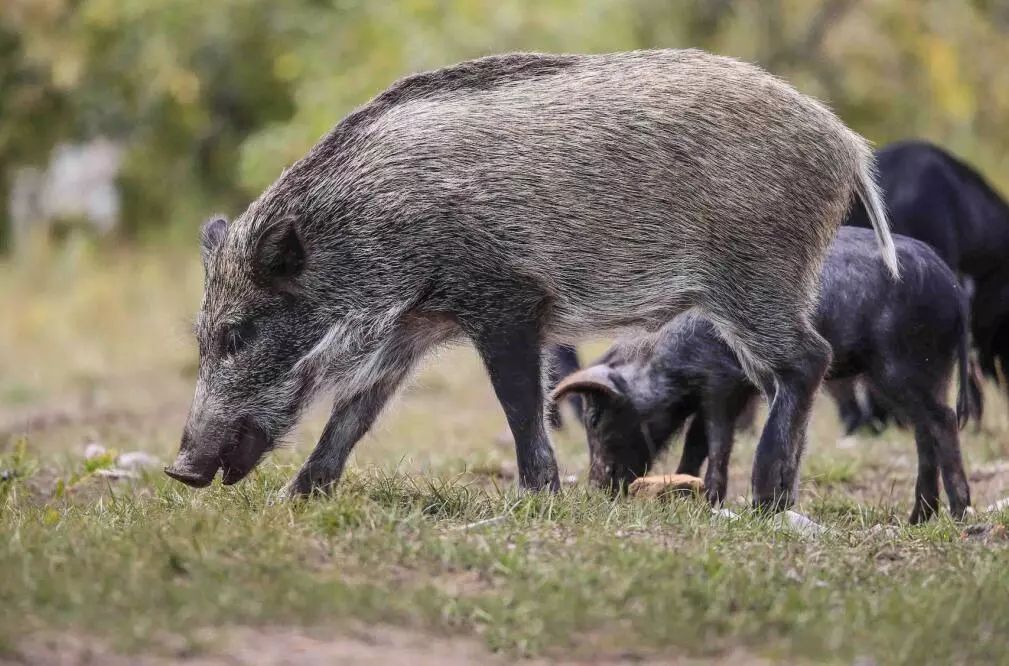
(148, 566)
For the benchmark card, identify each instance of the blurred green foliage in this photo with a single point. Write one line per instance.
(214, 98)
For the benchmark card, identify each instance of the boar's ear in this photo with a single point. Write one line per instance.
(213, 233)
(279, 255)
(593, 379)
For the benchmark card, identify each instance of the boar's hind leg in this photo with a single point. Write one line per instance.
(787, 359)
(511, 352)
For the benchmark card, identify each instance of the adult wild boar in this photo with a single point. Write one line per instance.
(521, 200)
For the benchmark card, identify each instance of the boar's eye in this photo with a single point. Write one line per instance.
(236, 338)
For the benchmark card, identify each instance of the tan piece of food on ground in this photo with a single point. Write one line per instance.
(663, 485)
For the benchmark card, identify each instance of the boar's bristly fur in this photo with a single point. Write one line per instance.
(522, 200)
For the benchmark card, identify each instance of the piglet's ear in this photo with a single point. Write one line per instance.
(279, 255)
(212, 235)
(593, 379)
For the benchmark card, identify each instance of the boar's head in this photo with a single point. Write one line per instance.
(274, 310)
(253, 326)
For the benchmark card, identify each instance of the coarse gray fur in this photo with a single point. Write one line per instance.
(521, 200)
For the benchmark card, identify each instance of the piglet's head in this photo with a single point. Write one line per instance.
(628, 420)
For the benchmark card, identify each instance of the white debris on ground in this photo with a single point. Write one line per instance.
(115, 474)
(984, 532)
(805, 526)
(789, 520)
(127, 465)
(727, 514)
(999, 505)
(799, 523)
(94, 450)
(885, 531)
(848, 442)
(137, 460)
(480, 523)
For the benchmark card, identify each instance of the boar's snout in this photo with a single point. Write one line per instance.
(235, 447)
(194, 466)
(614, 476)
(183, 470)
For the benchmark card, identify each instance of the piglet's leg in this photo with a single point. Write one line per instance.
(721, 420)
(935, 433)
(695, 447)
(848, 410)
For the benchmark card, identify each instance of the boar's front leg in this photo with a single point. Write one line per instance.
(349, 421)
(787, 358)
(512, 354)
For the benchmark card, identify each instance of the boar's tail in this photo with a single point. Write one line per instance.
(969, 398)
(868, 192)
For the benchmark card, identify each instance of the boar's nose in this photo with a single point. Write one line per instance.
(182, 471)
(191, 468)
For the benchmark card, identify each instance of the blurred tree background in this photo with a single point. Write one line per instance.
(211, 99)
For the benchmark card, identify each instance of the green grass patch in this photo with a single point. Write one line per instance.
(571, 573)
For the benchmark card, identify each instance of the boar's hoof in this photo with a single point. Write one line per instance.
(775, 503)
(547, 479)
(309, 482)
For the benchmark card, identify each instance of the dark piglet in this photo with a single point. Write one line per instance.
(903, 337)
(936, 198)
(478, 201)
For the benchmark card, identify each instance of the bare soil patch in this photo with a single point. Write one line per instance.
(272, 646)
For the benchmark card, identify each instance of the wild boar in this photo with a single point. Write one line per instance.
(935, 197)
(518, 201)
(902, 337)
